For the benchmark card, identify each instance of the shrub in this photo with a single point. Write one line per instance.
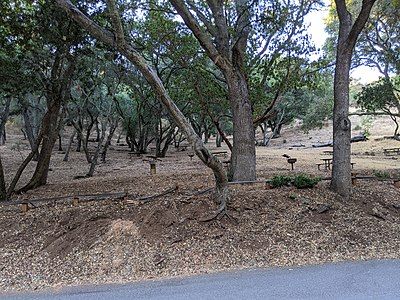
(381, 174)
(303, 181)
(280, 180)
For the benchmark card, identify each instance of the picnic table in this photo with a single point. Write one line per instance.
(327, 162)
(328, 152)
(390, 151)
(220, 153)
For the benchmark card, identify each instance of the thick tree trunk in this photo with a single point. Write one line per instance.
(243, 160)
(3, 191)
(348, 34)
(341, 167)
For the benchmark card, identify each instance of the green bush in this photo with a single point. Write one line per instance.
(280, 180)
(381, 174)
(303, 181)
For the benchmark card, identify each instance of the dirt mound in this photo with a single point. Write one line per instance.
(71, 233)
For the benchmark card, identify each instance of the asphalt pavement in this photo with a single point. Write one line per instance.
(379, 279)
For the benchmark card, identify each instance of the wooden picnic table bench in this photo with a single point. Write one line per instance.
(390, 151)
(327, 162)
(220, 153)
(327, 152)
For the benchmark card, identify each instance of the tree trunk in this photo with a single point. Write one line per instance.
(348, 34)
(3, 191)
(50, 133)
(3, 121)
(218, 140)
(243, 159)
(97, 152)
(22, 167)
(341, 167)
(71, 140)
(60, 142)
(113, 127)
(29, 132)
(117, 39)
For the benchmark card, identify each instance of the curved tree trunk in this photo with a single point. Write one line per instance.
(117, 40)
(50, 134)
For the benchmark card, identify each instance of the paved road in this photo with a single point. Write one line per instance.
(358, 280)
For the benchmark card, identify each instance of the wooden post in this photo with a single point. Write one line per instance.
(397, 183)
(153, 170)
(353, 178)
(75, 201)
(24, 207)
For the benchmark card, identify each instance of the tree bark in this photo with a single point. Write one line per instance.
(348, 34)
(243, 157)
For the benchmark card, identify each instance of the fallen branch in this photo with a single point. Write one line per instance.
(152, 197)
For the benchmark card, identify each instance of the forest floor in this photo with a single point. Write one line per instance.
(59, 244)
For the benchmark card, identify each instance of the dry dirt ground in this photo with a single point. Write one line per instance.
(60, 244)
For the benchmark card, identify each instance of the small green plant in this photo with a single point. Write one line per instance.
(280, 180)
(366, 125)
(303, 181)
(381, 174)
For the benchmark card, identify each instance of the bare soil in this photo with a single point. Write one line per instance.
(59, 244)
